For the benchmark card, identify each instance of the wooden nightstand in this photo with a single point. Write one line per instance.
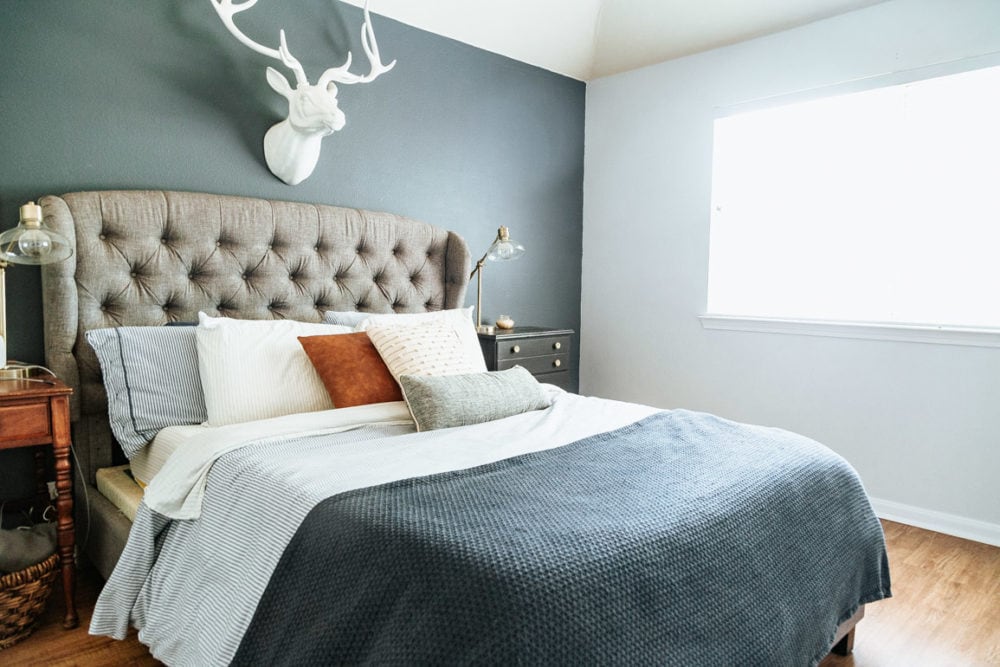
(543, 352)
(35, 413)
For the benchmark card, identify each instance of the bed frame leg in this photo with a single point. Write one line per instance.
(846, 644)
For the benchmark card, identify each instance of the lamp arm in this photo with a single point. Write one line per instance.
(479, 265)
(479, 291)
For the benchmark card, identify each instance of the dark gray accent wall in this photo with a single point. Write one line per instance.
(107, 94)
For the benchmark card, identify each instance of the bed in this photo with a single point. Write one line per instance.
(545, 534)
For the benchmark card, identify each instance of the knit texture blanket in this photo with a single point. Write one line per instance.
(683, 539)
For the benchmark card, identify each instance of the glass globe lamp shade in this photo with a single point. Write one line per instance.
(503, 247)
(31, 242)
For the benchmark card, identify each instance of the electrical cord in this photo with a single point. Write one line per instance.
(86, 496)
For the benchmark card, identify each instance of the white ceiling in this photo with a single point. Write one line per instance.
(586, 39)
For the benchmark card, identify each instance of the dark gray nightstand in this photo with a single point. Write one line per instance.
(544, 352)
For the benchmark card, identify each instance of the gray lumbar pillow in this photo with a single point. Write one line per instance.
(443, 401)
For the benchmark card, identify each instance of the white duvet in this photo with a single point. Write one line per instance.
(178, 488)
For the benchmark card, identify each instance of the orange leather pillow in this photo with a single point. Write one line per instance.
(351, 369)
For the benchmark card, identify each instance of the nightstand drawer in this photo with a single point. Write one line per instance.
(24, 421)
(542, 351)
(532, 347)
(537, 365)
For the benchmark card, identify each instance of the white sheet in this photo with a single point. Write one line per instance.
(177, 490)
(148, 460)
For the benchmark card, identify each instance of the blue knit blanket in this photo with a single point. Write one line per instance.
(684, 539)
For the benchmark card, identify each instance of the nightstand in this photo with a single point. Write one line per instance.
(35, 413)
(543, 352)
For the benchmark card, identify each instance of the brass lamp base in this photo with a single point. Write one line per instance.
(486, 329)
(16, 372)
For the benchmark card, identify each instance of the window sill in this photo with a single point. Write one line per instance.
(908, 333)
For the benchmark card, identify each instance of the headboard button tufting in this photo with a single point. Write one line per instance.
(258, 234)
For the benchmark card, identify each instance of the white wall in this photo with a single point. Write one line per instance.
(920, 422)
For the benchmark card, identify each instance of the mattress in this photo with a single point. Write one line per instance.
(117, 485)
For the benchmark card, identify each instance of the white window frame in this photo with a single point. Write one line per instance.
(882, 331)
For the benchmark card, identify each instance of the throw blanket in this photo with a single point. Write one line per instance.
(683, 539)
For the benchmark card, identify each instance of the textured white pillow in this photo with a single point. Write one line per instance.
(459, 318)
(433, 348)
(256, 369)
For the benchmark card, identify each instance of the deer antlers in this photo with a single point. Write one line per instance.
(292, 146)
(368, 43)
(227, 9)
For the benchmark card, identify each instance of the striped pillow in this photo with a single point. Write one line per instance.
(347, 318)
(435, 348)
(256, 369)
(459, 318)
(151, 379)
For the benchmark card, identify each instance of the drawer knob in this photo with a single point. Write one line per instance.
(515, 349)
(557, 363)
(557, 345)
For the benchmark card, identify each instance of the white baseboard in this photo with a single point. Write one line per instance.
(949, 524)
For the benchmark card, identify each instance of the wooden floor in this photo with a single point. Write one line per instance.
(945, 608)
(945, 611)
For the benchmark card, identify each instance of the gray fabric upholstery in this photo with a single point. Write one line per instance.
(101, 533)
(146, 258)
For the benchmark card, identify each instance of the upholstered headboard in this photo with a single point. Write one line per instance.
(152, 257)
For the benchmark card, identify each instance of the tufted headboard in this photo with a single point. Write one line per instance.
(152, 257)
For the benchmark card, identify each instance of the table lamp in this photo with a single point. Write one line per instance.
(503, 248)
(30, 242)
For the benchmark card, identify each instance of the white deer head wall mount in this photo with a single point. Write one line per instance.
(291, 147)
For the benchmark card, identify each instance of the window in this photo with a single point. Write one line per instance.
(880, 206)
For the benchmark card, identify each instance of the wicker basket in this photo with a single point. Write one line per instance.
(22, 599)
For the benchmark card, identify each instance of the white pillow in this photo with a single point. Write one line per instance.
(460, 319)
(433, 348)
(256, 369)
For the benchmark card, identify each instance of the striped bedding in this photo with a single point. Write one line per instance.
(191, 585)
(218, 517)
